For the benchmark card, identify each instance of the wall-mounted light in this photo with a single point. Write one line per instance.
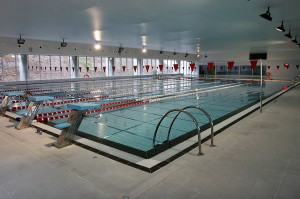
(144, 50)
(120, 49)
(161, 51)
(288, 34)
(63, 44)
(97, 46)
(174, 53)
(281, 27)
(21, 40)
(267, 15)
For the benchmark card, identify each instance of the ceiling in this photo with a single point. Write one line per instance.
(214, 26)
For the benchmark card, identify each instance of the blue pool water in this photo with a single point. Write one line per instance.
(134, 126)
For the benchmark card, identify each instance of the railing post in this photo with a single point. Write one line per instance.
(199, 141)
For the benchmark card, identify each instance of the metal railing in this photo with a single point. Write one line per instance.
(183, 110)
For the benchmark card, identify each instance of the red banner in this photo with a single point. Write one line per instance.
(221, 67)
(286, 65)
(192, 66)
(123, 68)
(160, 67)
(113, 68)
(87, 69)
(95, 69)
(230, 65)
(134, 68)
(175, 67)
(210, 65)
(277, 67)
(253, 64)
(269, 67)
(147, 68)
(104, 68)
(80, 69)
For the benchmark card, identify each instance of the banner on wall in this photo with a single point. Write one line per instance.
(104, 68)
(230, 65)
(175, 67)
(123, 68)
(192, 65)
(95, 68)
(134, 68)
(147, 68)
(80, 69)
(87, 69)
(161, 67)
(210, 65)
(113, 68)
(253, 64)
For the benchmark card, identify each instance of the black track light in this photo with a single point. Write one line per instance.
(186, 55)
(120, 49)
(205, 55)
(161, 51)
(267, 15)
(295, 40)
(281, 27)
(174, 53)
(63, 44)
(21, 40)
(289, 35)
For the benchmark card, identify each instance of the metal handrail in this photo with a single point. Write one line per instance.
(189, 114)
(207, 115)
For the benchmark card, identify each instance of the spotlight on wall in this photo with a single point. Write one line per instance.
(21, 40)
(295, 40)
(63, 44)
(97, 46)
(186, 55)
(120, 49)
(161, 51)
(144, 50)
(289, 35)
(267, 15)
(281, 27)
(197, 55)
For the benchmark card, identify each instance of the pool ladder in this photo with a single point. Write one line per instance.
(183, 110)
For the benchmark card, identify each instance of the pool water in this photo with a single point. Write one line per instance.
(132, 128)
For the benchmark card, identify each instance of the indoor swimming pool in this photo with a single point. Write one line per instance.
(130, 109)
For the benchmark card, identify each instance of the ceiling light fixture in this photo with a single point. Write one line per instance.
(281, 27)
(267, 15)
(63, 44)
(144, 50)
(97, 46)
(21, 40)
(186, 54)
(295, 40)
(174, 53)
(289, 35)
(161, 51)
(198, 55)
(205, 56)
(120, 49)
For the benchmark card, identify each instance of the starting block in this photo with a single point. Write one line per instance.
(70, 128)
(32, 110)
(9, 97)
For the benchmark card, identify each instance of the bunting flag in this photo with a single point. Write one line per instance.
(80, 69)
(243, 67)
(104, 68)
(160, 67)
(253, 64)
(175, 67)
(95, 68)
(269, 67)
(221, 67)
(135, 67)
(123, 68)
(50, 68)
(167, 67)
(230, 65)
(60, 68)
(45, 68)
(87, 69)
(277, 67)
(286, 65)
(192, 66)
(147, 68)
(210, 65)
(235, 68)
(297, 66)
(67, 68)
(31, 67)
(55, 68)
(113, 68)
(73, 68)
